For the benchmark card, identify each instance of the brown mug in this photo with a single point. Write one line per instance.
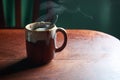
(41, 42)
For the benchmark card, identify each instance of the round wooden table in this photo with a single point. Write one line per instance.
(89, 55)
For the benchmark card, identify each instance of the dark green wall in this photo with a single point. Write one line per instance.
(101, 15)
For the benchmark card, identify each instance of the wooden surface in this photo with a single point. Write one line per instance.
(18, 13)
(89, 55)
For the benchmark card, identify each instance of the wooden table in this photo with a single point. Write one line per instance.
(89, 55)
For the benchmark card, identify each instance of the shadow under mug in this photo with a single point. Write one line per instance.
(41, 42)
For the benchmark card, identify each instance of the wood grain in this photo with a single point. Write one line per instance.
(89, 55)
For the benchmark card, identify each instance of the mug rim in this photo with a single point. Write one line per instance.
(27, 27)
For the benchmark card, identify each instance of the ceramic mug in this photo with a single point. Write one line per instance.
(41, 42)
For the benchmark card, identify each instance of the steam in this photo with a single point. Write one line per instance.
(54, 9)
(83, 13)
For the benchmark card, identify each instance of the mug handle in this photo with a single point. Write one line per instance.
(62, 30)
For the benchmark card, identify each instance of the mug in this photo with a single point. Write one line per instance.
(41, 42)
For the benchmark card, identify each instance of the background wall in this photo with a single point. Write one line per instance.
(101, 15)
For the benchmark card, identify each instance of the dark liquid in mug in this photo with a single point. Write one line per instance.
(41, 52)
